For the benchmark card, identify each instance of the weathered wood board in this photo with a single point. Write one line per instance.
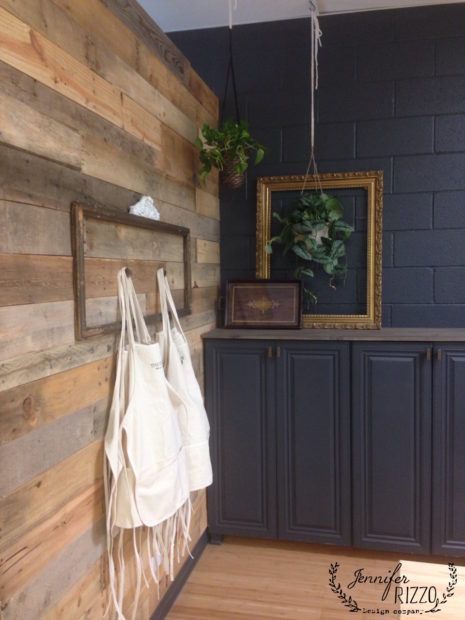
(96, 106)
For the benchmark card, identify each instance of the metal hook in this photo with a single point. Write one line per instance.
(128, 272)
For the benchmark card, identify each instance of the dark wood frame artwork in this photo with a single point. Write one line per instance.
(81, 212)
(229, 321)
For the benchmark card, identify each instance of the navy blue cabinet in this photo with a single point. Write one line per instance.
(449, 450)
(280, 418)
(358, 443)
(240, 403)
(391, 417)
(313, 429)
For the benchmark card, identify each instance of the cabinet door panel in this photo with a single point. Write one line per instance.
(449, 451)
(242, 499)
(313, 429)
(391, 442)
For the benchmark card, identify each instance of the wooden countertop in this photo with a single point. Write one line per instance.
(392, 334)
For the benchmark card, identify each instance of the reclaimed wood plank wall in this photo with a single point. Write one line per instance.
(95, 105)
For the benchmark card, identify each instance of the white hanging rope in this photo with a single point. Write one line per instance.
(315, 44)
(232, 6)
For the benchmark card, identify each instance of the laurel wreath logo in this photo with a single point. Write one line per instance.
(448, 593)
(352, 604)
(347, 601)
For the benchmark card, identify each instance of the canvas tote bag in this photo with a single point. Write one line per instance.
(145, 474)
(195, 429)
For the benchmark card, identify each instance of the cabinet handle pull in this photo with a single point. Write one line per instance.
(270, 352)
(428, 354)
(439, 355)
(278, 351)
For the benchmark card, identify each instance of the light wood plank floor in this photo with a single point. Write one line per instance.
(249, 579)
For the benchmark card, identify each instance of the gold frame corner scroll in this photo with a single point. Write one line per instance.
(372, 182)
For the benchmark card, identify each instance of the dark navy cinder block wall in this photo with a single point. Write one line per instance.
(392, 97)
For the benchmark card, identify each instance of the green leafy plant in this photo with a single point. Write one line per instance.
(231, 143)
(315, 232)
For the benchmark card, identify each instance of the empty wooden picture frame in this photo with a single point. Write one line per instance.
(105, 240)
(277, 193)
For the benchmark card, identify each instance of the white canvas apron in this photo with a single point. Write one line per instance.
(195, 429)
(146, 485)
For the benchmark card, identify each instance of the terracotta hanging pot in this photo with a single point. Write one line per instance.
(229, 176)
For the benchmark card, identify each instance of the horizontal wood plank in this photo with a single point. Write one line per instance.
(27, 179)
(139, 21)
(204, 275)
(87, 597)
(58, 575)
(101, 281)
(118, 241)
(134, 171)
(179, 156)
(30, 52)
(29, 554)
(48, 492)
(204, 93)
(32, 405)
(140, 123)
(56, 25)
(208, 251)
(207, 204)
(31, 279)
(199, 226)
(95, 17)
(41, 364)
(28, 229)
(30, 455)
(24, 329)
(106, 310)
(204, 298)
(24, 128)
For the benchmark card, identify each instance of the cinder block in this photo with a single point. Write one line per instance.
(430, 248)
(423, 173)
(403, 136)
(439, 95)
(449, 285)
(449, 210)
(403, 285)
(396, 60)
(348, 101)
(418, 315)
(408, 211)
(450, 133)
(450, 56)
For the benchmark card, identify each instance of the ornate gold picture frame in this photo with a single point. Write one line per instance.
(372, 183)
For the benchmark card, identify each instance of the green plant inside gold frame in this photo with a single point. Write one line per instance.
(372, 183)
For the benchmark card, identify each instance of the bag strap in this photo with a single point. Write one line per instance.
(137, 314)
(163, 305)
(168, 306)
(173, 310)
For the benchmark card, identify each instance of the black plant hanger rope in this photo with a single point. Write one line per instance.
(230, 77)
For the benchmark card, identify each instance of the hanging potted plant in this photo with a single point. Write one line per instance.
(315, 232)
(229, 149)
